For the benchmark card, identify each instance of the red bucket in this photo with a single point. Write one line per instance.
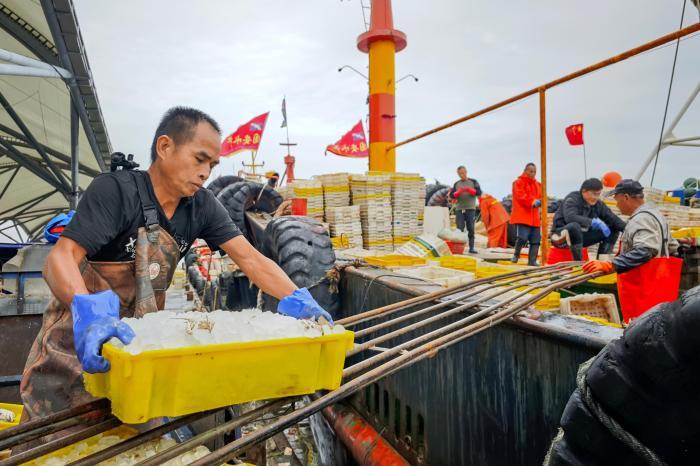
(557, 255)
(455, 248)
(299, 207)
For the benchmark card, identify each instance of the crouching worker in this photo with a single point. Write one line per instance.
(647, 274)
(117, 256)
(582, 220)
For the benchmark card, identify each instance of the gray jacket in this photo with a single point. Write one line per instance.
(646, 236)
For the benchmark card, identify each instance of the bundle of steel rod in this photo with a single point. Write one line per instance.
(433, 322)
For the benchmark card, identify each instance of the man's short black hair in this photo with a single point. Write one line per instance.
(461, 167)
(530, 164)
(592, 184)
(179, 124)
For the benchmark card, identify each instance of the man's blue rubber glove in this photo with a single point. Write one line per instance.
(536, 204)
(95, 321)
(598, 224)
(301, 305)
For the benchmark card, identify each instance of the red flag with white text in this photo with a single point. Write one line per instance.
(246, 137)
(352, 144)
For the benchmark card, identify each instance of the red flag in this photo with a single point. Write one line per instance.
(352, 144)
(574, 134)
(246, 137)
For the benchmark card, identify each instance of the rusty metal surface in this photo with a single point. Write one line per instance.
(495, 398)
(367, 447)
(18, 334)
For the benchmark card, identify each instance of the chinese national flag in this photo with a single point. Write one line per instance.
(246, 137)
(574, 134)
(352, 144)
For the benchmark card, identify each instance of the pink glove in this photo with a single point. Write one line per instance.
(470, 191)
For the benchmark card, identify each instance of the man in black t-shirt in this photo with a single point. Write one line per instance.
(117, 256)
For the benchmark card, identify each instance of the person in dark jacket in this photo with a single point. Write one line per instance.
(583, 220)
(465, 192)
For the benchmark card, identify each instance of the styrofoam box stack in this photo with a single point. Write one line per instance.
(336, 190)
(345, 221)
(312, 191)
(678, 216)
(372, 192)
(654, 195)
(408, 205)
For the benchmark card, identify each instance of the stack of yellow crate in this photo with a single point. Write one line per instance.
(372, 192)
(344, 223)
(408, 204)
(336, 190)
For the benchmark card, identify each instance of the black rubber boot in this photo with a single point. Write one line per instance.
(532, 255)
(516, 254)
(577, 252)
(471, 246)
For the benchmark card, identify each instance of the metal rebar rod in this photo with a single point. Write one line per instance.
(139, 439)
(404, 360)
(521, 280)
(367, 363)
(46, 425)
(388, 336)
(224, 428)
(89, 431)
(391, 308)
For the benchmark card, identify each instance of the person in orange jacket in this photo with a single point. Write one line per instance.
(525, 215)
(495, 219)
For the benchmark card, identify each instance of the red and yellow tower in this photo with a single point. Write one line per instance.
(382, 42)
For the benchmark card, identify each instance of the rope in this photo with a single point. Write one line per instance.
(668, 98)
(613, 426)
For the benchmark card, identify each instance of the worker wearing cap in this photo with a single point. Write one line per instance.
(465, 192)
(583, 220)
(119, 252)
(647, 273)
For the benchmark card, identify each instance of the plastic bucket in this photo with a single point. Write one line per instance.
(299, 206)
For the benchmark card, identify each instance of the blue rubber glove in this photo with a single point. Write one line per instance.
(598, 224)
(96, 320)
(536, 204)
(301, 305)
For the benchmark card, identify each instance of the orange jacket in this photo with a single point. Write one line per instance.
(525, 192)
(493, 214)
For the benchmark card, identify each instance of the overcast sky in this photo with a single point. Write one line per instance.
(237, 59)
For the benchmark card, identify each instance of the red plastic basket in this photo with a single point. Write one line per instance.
(455, 248)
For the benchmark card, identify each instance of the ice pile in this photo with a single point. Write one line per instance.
(128, 458)
(166, 329)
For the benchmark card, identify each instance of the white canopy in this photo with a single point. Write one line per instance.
(35, 121)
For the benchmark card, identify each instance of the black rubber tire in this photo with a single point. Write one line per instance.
(302, 248)
(217, 185)
(430, 189)
(439, 198)
(242, 196)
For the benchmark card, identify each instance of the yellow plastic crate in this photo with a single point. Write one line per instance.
(17, 409)
(395, 260)
(691, 232)
(340, 242)
(458, 262)
(491, 270)
(175, 382)
(605, 279)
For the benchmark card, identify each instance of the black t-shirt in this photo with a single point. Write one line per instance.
(109, 215)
